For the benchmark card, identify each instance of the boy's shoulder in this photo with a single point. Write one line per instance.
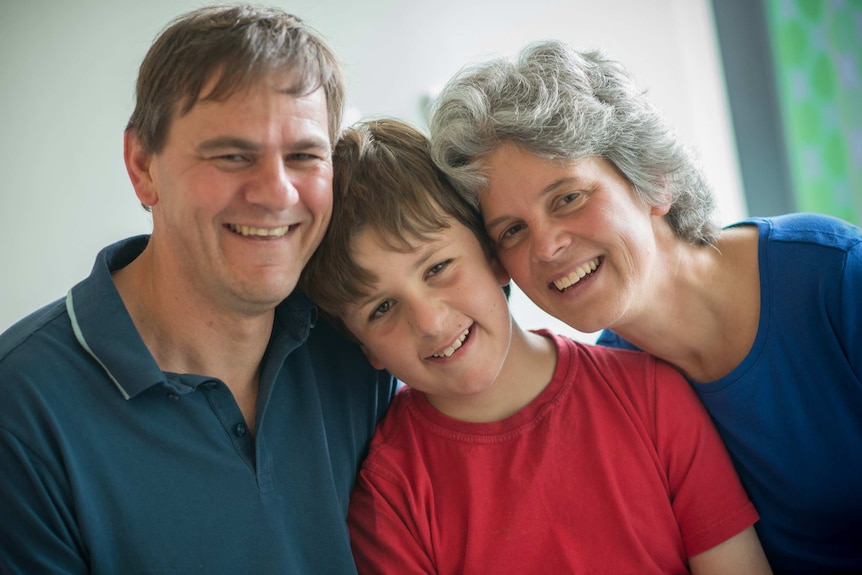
(628, 372)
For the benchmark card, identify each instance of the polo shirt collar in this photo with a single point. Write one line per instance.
(104, 328)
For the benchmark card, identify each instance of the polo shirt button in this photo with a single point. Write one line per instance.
(173, 395)
(240, 429)
(209, 385)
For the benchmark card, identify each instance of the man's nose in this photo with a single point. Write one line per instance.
(273, 186)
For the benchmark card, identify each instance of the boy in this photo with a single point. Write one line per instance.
(509, 451)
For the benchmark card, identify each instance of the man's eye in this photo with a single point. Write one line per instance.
(300, 157)
(233, 158)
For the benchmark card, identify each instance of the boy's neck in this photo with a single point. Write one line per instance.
(526, 372)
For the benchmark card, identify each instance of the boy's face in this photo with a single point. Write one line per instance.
(436, 317)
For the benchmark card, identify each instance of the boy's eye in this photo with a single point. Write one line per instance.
(437, 268)
(381, 310)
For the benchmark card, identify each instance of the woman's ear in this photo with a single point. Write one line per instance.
(660, 210)
(663, 204)
(138, 164)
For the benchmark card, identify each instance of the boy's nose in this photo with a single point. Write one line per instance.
(427, 316)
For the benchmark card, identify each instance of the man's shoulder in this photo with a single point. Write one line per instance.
(27, 340)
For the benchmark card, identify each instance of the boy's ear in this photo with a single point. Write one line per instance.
(138, 167)
(372, 359)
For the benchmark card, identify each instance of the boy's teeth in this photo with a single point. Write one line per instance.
(455, 345)
(581, 271)
(253, 231)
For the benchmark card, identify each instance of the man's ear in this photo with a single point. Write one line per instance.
(372, 359)
(138, 164)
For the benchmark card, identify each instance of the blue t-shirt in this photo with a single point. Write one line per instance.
(791, 412)
(110, 465)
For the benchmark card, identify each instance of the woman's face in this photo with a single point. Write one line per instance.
(574, 236)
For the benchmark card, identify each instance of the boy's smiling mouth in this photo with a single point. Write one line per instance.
(459, 341)
(582, 271)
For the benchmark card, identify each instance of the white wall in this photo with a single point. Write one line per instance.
(67, 73)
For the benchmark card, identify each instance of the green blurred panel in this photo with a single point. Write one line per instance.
(817, 52)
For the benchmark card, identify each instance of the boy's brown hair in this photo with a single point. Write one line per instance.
(385, 181)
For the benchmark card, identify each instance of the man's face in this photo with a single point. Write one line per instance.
(241, 195)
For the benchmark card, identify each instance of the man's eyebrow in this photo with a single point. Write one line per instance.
(227, 142)
(236, 143)
(311, 144)
(548, 189)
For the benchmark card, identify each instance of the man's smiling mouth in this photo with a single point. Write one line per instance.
(261, 232)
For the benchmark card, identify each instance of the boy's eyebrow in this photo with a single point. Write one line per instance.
(553, 186)
(429, 248)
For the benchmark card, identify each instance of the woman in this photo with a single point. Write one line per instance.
(601, 216)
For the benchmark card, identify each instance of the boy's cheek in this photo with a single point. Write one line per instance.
(372, 359)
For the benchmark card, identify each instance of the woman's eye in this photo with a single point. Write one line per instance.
(569, 198)
(510, 232)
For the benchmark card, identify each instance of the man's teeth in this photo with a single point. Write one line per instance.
(582, 271)
(455, 345)
(252, 231)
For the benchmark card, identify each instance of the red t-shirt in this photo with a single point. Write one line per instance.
(614, 468)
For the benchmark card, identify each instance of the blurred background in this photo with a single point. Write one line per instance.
(767, 93)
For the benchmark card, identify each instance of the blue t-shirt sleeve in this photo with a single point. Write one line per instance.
(610, 339)
(850, 328)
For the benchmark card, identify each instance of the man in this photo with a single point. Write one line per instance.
(180, 410)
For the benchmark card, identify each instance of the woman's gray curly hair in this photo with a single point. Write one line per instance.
(561, 104)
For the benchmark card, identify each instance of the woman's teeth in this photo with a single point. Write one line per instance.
(581, 272)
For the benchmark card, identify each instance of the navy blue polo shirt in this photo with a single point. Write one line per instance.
(110, 465)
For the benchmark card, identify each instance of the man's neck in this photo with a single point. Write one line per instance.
(186, 333)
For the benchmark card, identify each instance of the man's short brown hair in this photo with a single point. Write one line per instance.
(239, 45)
